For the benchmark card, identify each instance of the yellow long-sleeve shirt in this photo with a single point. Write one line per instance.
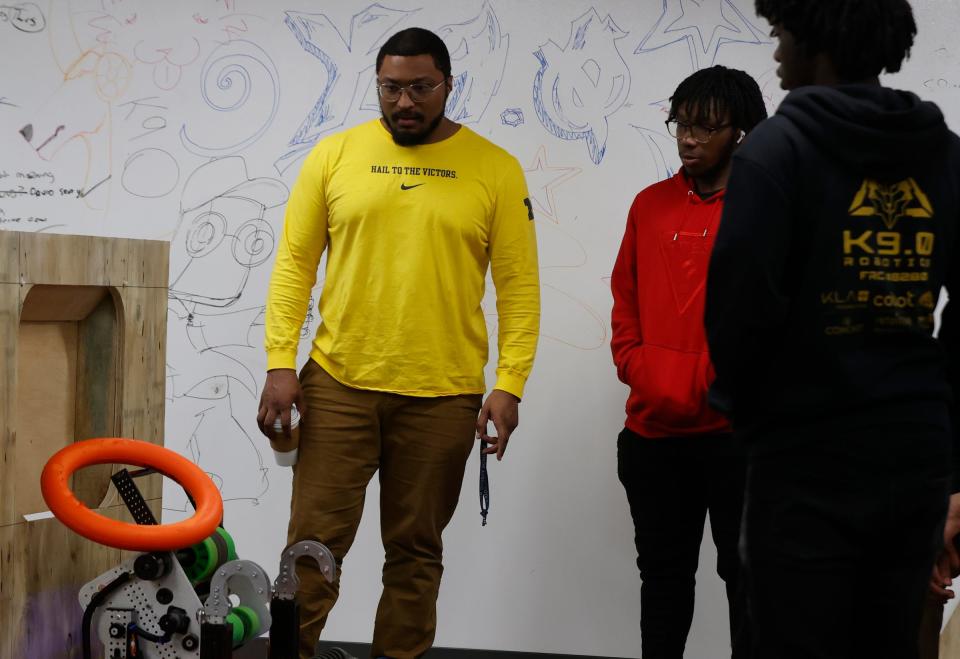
(409, 234)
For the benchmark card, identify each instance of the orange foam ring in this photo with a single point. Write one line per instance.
(54, 484)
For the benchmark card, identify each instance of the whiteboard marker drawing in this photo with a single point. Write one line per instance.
(239, 80)
(478, 59)
(581, 85)
(543, 179)
(349, 74)
(704, 26)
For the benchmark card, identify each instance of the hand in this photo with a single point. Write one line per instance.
(940, 579)
(501, 408)
(280, 391)
(947, 565)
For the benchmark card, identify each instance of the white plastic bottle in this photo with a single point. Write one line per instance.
(286, 449)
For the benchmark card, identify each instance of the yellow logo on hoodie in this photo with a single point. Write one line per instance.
(891, 201)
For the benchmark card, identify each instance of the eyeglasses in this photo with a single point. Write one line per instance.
(417, 92)
(701, 134)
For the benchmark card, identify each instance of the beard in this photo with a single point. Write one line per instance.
(410, 138)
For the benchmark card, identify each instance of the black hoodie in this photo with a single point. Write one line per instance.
(839, 230)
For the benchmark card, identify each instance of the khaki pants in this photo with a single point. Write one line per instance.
(420, 446)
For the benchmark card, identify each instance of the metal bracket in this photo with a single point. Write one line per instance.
(286, 584)
(245, 579)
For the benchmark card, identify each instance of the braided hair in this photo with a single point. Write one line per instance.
(717, 91)
(861, 38)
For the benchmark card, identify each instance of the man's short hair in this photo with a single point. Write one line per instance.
(862, 38)
(718, 91)
(417, 41)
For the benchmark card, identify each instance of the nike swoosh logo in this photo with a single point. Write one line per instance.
(403, 186)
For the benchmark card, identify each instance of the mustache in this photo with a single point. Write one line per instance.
(406, 115)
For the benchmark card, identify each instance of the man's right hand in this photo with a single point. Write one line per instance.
(947, 565)
(280, 392)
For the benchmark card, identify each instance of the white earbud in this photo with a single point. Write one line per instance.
(742, 135)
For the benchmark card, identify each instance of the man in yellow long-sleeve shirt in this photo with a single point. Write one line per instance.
(411, 208)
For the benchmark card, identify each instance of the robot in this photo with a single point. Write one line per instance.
(185, 594)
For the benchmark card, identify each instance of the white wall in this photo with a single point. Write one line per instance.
(171, 110)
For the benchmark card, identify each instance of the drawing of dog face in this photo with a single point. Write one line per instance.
(130, 27)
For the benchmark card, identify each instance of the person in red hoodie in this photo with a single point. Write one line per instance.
(677, 458)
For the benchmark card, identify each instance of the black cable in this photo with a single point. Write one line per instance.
(94, 604)
(153, 638)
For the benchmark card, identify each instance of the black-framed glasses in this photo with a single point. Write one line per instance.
(416, 92)
(701, 134)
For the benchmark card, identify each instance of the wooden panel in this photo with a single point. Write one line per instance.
(9, 321)
(143, 313)
(93, 261)
(96, 412)
(57, 259)
(43, 566)
(147, 263)
(46, 404)
(9, 257)
(61, 302)
(67, 380)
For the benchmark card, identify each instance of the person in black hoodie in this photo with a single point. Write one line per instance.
(839, 230)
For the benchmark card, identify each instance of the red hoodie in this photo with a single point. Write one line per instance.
(659, 281)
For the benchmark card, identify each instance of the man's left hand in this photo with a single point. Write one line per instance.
(501, 408)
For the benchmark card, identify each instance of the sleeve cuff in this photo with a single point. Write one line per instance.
(281, 359)
(512, 383)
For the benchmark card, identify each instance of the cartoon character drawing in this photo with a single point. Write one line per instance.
(223, 237)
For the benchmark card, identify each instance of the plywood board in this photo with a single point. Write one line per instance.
(43, 566)
(9, 257)
(46, 404)
(92, 261)
(144, 331)
(98, 373)
(61, 302)
(56, 259)
(143, 381)
(147, 264)
(96, 413)
(9, 320)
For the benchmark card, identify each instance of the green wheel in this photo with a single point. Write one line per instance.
(236, 624)
(250, 619)
(205, 561)
(207, 556)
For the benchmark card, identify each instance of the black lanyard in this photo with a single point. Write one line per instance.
(484, 484)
